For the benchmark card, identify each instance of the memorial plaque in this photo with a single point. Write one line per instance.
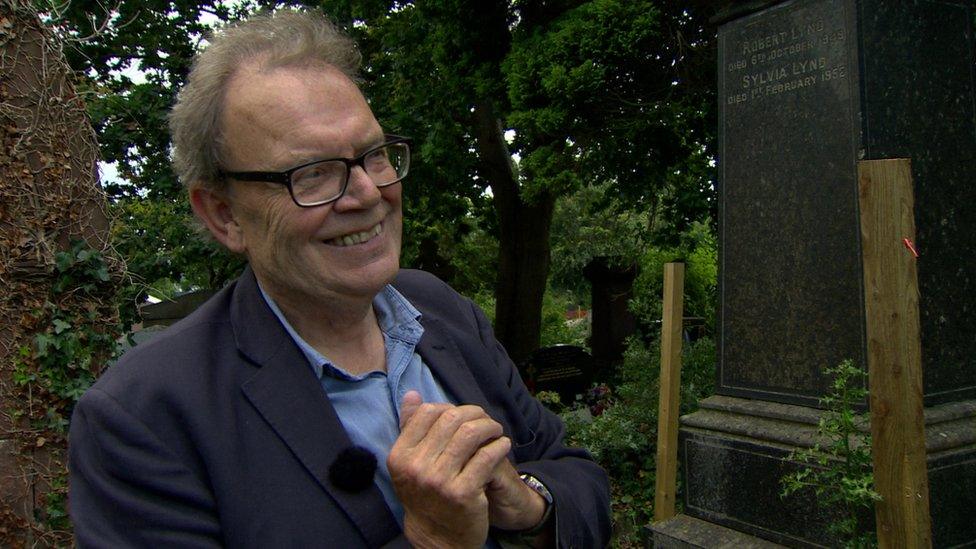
(565, 369)
(807, 88)
(790, 266)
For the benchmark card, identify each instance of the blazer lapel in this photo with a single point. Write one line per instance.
(444, 359)
(289, 397)
(442, 355)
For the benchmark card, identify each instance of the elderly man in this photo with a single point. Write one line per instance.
(326, 398)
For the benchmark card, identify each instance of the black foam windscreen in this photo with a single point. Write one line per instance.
(353, 469)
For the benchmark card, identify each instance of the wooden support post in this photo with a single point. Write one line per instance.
(894, 352)
(670, 385)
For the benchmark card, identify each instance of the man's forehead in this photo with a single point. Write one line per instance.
(283, 95)
(306, 111)
(259, 83)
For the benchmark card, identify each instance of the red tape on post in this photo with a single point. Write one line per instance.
(910, 245)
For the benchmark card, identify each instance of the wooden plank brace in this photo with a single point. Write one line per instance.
(894, 352)
(670, 386)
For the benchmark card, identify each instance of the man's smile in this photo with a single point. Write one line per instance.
(356, 238)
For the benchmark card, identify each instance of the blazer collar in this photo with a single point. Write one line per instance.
(289, 397)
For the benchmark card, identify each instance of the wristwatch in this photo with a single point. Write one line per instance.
(540, 489)
(522, 539)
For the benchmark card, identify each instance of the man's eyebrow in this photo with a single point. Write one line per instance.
(367, 143)
(374, 140)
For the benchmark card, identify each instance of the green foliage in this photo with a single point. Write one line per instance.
(699, 252)
(459, 251)
(593, 94)
(551, 400)
(840, 472)
(555, 329)
(182, 257)
(74, 334)
(592, 223)
(68, 353)
(623, 438)
(56, 504)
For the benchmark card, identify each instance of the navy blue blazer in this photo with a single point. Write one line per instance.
(216, 433)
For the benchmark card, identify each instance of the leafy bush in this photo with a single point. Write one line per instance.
(699, 252)
(623, 439)
(840, 473)
(555, 329)
(593, 222)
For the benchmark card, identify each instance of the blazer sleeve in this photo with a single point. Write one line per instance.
(579, 486)
(128, 489)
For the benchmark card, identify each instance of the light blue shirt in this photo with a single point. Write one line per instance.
(368, 405)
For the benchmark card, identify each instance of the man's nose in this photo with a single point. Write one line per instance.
(361, 192)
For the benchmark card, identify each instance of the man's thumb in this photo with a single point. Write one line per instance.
(411, 401)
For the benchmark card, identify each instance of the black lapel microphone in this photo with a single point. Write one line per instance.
(353, 469)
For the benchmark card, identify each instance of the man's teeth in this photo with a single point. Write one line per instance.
(357, 238)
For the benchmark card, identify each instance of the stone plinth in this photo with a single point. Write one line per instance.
(734, 450)
(684, 532)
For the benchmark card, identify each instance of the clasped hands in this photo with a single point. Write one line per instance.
(449, 469)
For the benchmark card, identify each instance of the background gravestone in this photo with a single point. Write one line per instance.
(806, 89)
(611, 320)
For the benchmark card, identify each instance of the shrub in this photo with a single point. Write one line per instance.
(840, 473)
(699, 253)
(623, 439)
(555, 329)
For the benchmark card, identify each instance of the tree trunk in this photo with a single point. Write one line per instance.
(49, 195)
(523, 256)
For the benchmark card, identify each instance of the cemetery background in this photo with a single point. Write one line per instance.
(609, 107)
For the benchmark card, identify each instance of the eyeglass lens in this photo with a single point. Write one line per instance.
(324, 181)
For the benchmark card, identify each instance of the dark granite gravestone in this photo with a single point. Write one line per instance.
(806, 89)
(565, 369)
(611, 289)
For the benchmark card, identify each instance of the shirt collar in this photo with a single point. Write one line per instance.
(397, 318)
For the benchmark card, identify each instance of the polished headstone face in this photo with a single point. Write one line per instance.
(790, 266)
(807, 88)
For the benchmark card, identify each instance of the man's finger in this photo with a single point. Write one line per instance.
(480, 468)
(415, 429)
(442, 431)
(408, 406)
(466, 441)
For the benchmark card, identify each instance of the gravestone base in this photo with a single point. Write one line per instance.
(735, 452)
(684, 532)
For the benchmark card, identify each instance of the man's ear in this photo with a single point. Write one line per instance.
(214, 209)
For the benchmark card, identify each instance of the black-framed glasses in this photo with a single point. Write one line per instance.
(324, 181)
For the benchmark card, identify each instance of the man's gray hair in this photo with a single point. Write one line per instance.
(281, 39)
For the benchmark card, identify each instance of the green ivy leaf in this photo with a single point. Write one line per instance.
(60, 325)
(42, 342)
